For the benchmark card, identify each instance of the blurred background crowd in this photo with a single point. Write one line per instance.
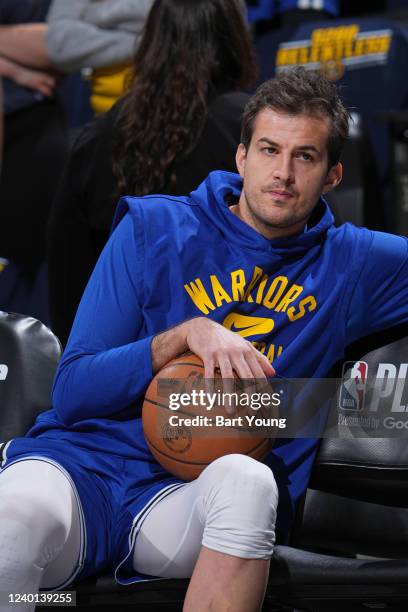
(101, 98)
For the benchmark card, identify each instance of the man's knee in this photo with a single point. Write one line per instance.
(30, 509)
(34, 513)
(243, 476)
(240, 498)
(32, 502)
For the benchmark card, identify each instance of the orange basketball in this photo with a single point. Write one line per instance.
(184, 447)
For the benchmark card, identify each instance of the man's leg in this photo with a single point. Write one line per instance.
(219, 529)
(39, 529)
(222, 583)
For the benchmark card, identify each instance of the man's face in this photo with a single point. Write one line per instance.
(284, 171)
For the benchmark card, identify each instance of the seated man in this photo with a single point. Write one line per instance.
(81, 492)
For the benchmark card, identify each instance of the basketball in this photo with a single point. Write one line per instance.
(182, 448)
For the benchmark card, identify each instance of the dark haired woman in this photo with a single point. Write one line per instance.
(179, 120)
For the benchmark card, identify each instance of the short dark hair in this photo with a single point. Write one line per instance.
(301, 92)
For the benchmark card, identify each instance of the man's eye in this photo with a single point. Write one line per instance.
(305, 156)
(269, 150)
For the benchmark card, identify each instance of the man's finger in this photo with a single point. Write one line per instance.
(255, 366)
(242, 367)
(228, 383)
(258, 373)
(266, 366)
(209, 374)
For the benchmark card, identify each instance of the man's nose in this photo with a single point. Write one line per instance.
(283, 170)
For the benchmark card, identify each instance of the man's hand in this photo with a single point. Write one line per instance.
(217, 347)
(34, 79)
(222, 348)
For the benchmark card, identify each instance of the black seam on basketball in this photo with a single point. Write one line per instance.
(150, 401)
(178, 411)
(181, 363)
(178, 460)
(192, 415)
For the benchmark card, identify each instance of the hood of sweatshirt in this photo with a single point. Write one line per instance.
(222, 189)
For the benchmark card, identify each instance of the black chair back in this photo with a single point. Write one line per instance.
(350, 552)
(29, 354)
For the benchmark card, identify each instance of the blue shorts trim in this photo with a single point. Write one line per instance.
(3, 450)
(112, 503)
(126, 563)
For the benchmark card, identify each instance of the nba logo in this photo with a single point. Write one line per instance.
(353, 385)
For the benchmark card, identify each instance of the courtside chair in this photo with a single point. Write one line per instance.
(29, 355)
(349, 549)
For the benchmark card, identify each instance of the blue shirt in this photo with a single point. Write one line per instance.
(173, 258)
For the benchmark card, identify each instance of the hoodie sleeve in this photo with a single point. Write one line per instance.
(128, 15)
(380, 297)
(107, 363)
(80, 35)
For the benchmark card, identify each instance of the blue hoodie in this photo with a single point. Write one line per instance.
(173, 258)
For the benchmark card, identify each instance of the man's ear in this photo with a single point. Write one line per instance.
(333, 178)
(240, 159)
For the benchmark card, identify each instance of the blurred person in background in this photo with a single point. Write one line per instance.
(291, 12)
(99, 35)
(3, 262)
(34, 153)
(179, 120)
(1, 122)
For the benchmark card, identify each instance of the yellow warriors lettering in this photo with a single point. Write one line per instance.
(220, 295)
(199, 296)
(238, 285)
(277, 287)
(308, 304)
(278, 293)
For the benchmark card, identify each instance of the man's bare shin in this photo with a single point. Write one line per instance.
(223, 583)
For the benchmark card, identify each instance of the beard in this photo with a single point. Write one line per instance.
(272, 215)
